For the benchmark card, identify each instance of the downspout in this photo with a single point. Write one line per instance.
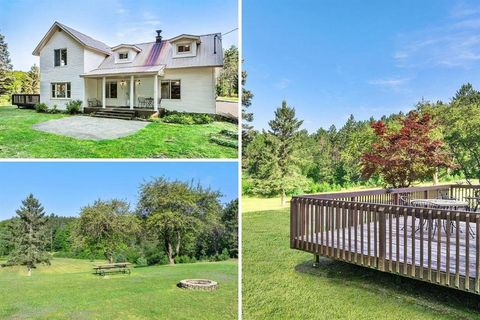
(215, 43)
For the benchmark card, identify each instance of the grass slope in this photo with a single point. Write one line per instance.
(68, 290)
(280, 283)
(19, 140)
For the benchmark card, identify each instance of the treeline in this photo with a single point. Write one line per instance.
(12, 81)
(227, 82)
(174, 222)
(286, 160)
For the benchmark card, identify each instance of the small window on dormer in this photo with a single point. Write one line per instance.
(123, 55)
(184, 48)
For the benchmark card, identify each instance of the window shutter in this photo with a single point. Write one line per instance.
(68, 89)
(57, 57)
(53, 90)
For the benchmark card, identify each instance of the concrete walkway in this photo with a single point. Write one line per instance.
(89, 128)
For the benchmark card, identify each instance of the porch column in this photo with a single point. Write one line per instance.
(131, 92)
(155, 92)
(85, 96)
(104, 99)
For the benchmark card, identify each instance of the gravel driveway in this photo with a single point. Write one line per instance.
(89, 128)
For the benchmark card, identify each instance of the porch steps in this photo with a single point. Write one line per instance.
(115, 114)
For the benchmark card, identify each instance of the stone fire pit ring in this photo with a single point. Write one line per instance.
(198, 284)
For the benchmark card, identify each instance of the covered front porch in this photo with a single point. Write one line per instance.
(122, 89)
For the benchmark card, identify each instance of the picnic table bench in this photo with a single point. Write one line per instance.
(121, 267)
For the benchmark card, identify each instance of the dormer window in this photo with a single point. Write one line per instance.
(60, 56)
(184, 48)
(123, 56)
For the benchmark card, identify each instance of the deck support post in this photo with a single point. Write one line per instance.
(104, 87)
(131, 92)
(155, 92)
(316, 264)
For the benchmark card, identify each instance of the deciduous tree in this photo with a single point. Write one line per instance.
(406, 155)
(106, 226)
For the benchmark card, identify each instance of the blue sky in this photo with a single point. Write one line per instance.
(25, 22)
(330, 59)
(64, 187)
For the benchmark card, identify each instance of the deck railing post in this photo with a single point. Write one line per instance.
(382, 235)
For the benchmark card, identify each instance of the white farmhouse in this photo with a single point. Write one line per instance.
(175, 74)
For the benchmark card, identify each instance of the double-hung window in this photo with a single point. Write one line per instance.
(171, 89)
(60, 57)
(61, 90)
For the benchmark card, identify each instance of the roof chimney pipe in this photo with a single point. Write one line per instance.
(158, 38)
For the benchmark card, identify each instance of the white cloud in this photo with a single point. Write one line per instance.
(392, 83)
(454, 44)
(283, 83)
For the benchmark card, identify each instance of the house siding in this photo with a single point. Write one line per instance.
(197, 90)
(69, 73)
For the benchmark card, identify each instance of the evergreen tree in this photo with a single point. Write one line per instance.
(228, 79)
(466, 95)
(247, 117)
(30, 243)
(31, 82)
(285, 128)
(5, 67)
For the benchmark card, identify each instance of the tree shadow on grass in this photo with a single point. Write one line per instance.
(412, 291)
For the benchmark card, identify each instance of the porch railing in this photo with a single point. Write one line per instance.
(25, 100)
(372, 229)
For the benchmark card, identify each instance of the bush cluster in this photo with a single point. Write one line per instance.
(41, 107)
(72, 107)
(187, 118)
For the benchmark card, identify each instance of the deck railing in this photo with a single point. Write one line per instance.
(25, 100)
(371, 229)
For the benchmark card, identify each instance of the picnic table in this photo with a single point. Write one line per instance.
(121, 267)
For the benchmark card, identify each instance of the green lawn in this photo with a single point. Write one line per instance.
(280, 283)
(229, 99)
(68, 290)
(157, 140)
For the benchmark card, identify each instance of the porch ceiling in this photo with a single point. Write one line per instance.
(146, 70)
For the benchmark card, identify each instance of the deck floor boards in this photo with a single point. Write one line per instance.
(462, 251)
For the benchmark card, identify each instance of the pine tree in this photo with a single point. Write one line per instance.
(285, 131)
(247, 117)
(31, 83)
(5, 67)
(31, 240)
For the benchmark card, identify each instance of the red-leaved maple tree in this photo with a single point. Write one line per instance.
(407, 155)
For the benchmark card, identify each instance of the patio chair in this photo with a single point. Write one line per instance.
(445, 195)
(141, 102)
(474, 201)
(93, 102)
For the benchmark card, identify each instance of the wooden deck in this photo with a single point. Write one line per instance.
(352, 243)
(379, 229)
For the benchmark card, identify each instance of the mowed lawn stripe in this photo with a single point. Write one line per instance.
(160, 140)
(280, 283)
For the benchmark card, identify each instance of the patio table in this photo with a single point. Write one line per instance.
(441, 204)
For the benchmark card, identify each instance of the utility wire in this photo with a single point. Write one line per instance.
(229, 32)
